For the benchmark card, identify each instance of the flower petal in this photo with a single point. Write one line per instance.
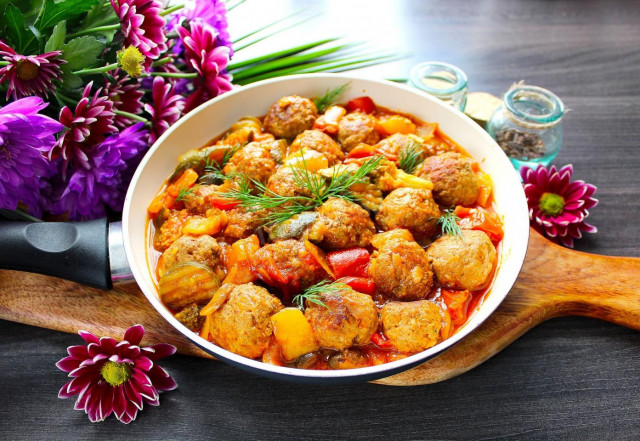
(87, 336)
(134, 334)
(160, 351)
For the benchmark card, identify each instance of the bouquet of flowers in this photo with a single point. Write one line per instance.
(86, 86)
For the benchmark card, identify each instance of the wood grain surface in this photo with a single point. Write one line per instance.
(568, 378)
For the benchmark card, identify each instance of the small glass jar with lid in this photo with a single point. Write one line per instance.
(442, 80)
(527, 125)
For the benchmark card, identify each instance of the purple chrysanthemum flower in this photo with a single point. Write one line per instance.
(212, 12)
(166, 109)
(115, 377)
(558, 207)
(29, 75)
(125, 95)
(89, 190)
(24, 138)
(209, 59)
(88, 126)
(142, 26)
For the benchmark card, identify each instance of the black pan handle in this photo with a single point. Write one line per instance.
(77, 251)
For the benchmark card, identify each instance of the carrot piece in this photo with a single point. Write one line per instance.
(186, 180)
(486, 187)
(156, 204)
(457, 303)
(479, 219)
(362, 150)
(395, 124)
(320, 257)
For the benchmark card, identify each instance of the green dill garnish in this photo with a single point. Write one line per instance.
(329, 97)
(184, 193)
(312, 294)
(410, 157)
(213, 169)
(448, 221)
(282, 208)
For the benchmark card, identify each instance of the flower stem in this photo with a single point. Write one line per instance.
(65, 99)
(113, 27)
(96, 70)
(130, 115)
(162, 61)
(18, 214)
(171, 9)
(174, 75)
(4, 63)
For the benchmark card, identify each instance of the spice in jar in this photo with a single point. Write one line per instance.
(521, 145)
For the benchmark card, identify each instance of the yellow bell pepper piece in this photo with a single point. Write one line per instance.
(313, 160)
(293, 333)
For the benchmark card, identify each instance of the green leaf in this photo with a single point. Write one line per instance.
(70, 81)
(54, 12)
(82, 52)
(56, 41)
(15, 30)
(99, 16)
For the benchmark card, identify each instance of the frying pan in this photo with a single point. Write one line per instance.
(99, 254)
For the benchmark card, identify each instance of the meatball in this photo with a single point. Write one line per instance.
(320, 142)
(454, 182)
(410, 208)
(290, 116)
(348, 359)
(282, 183)
(342, 224)
(463, 262)
(401, 270)
(190, 317)
(242, 223)
(242, 323)
(412, 326)
(203, 249)
(254, 161)
(288, 265)
(349, 318)
(355, 128)
(394, 145)
(170, 230)
(198, 200)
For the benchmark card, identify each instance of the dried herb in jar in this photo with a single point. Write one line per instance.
(521, 145)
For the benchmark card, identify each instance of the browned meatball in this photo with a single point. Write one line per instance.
(242, 323)
(355, 128)
(401, 270)
(342, 224)
(290, 116)
(320, 142)
(282, 183)
(410, 208)
(463, 262)
(242, 223)
(412, 326)
(288, 265)
(254, 161)
(198, 200)
(348, 359)
(190, 317)
(349, 318)
(170, 230)
(394, 145)
(454, 182)
(202, 249)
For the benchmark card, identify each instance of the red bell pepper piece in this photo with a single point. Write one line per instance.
(479, 219)
(224, 203)
(381, 341)
(350, 262)
(457, 304)
(360, 284)
(363, 104)
(362, 151)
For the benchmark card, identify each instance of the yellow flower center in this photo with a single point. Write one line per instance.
(551, 204)
(130, 60)
(27, 70)
(116, 373)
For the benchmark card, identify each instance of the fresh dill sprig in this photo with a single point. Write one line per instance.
(329, 97)
(213, 169)
(312, 293)
(184, 193)
(410, 157)
(448, 221)
(282, 208)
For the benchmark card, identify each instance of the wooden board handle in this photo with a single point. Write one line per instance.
(575, 283)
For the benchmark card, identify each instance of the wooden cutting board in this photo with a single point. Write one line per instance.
(554, 281)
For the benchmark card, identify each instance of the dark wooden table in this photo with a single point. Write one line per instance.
(571, 378)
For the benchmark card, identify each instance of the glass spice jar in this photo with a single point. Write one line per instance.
(442, 80)
(527, 125)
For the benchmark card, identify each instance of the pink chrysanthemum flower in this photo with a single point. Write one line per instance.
(87, 127)
(166, 109)
(126, 96)
(29, 75)
(142, 26)
(208, 58)
(558, 207)
(111, 377)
